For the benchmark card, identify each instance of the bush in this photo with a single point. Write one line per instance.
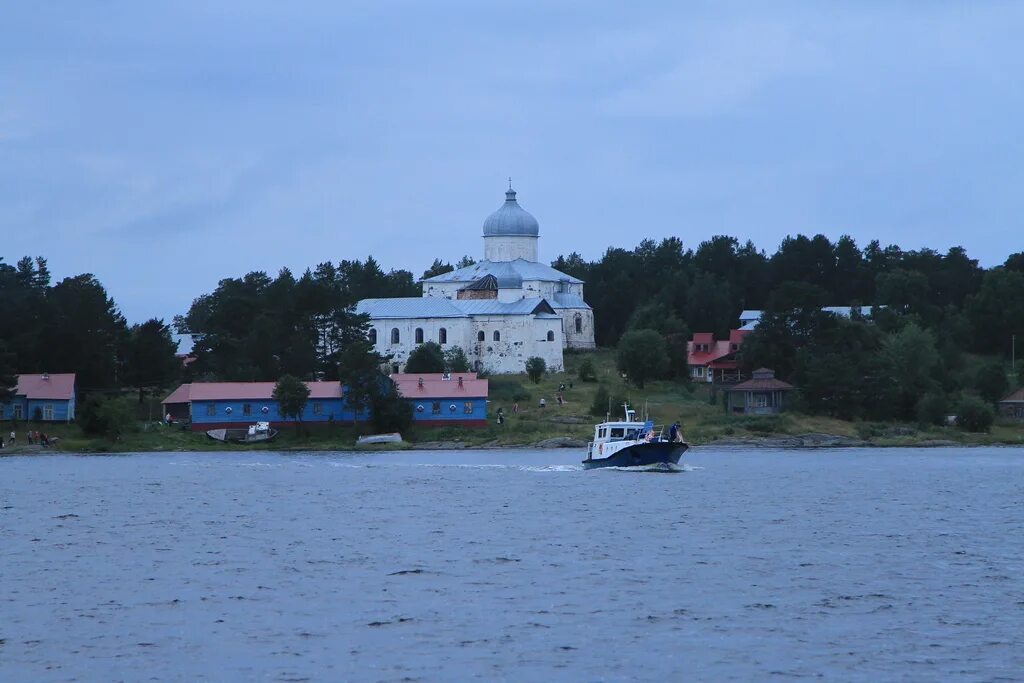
(112, 417)
(586, 371)
(508, 390)
(455, 360)
(932, 409)
(974, 415)
(601, 401)
(535, 368)
(990, 381)
(642, 356)
(426, 358)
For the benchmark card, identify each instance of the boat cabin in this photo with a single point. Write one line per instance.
(622, 431)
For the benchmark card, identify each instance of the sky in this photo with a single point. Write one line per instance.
(165, 146)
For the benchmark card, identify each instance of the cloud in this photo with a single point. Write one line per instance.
(718, 71)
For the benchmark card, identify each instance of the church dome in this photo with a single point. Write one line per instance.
(511, 219)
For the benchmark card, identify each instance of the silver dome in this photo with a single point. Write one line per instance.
(511, 219)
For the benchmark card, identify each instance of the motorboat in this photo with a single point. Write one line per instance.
(254, 433)
(633, 443)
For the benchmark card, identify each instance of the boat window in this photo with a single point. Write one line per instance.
(617, 432)
(602, 432)
(442, 336)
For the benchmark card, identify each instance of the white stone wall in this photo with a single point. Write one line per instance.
(520, 337)
(585, 338)
(510, 247)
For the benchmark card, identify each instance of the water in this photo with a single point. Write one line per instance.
(855, 565)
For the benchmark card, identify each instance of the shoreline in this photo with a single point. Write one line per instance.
(800, 442)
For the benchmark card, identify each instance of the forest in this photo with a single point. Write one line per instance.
(936, 325)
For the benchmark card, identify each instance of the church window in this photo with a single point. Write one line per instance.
(442, 336)
(373, 336)
(497, 336)
(419, 335)
(395, 338)
(480, 335)
(551, 335)
(579, 324)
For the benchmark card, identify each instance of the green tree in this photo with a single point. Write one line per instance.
(438, 267)
(389, 412)
(912, 362)
(642, 356)
(535, 368)
(455, 360)
(110, 417)
(8, 376)
(586, 371)
(150, 358)
(601, 403)
(974, 415)
(932, 409)
(425, 358)
(990, 381)
(657, 316)
(291, 395)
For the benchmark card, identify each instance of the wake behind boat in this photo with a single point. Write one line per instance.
(632, 443)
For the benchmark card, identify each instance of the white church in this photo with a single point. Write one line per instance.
(501, 310)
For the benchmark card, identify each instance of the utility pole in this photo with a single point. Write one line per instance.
(1013, 352)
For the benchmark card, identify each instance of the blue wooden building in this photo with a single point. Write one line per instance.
(42, 398)
(433, 400)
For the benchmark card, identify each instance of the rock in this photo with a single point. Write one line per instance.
(440, 445)
(561, 442)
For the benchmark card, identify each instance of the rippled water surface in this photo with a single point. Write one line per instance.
(853, 564)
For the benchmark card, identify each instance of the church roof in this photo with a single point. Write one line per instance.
(566, 300)
(436, 307)
(486, 283)
(511, 219)
(509, 274)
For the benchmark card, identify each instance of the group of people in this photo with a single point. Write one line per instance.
(34, 438)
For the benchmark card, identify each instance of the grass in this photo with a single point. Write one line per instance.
(666, 401)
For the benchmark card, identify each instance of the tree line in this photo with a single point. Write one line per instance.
(258, 327)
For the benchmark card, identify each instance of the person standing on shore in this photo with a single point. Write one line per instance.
(12, 437)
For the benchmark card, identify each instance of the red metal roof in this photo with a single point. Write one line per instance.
(238, 391)
(736, 336)
(717, 350)
(56, 387)
(436, 387)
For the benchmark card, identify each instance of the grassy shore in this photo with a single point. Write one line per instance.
(704, 422)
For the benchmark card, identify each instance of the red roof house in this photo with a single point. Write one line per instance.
(712, 360)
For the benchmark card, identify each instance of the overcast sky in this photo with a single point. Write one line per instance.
(165, 148)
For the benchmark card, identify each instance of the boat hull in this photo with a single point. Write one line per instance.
(240, 435)
(641, 455)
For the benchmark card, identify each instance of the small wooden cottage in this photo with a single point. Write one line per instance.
(1013, 405)
(42, 398)
(760, 395)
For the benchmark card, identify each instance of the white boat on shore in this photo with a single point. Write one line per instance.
(393, 437)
